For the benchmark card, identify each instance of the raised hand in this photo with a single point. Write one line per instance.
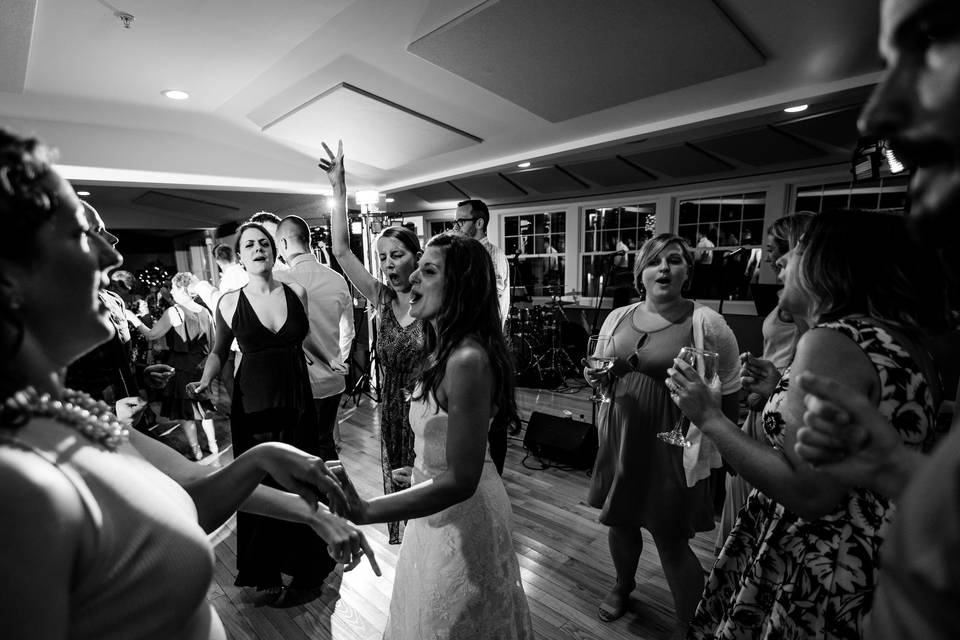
(356, 506)
(303, 474)
(333, 166)
(757, 375)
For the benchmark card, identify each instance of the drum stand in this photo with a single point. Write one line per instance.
(555, 358)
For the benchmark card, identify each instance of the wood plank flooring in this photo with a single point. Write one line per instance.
(561, 548)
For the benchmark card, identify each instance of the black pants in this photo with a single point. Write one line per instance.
(327, 411)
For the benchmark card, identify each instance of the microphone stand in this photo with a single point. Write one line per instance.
(603, 289)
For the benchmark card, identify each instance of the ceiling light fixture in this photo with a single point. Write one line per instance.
(390, 200)
(175, 94)
(83, 193)
(523, 165)
(797, 108)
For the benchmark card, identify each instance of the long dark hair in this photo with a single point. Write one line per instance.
(862, 262)
(470, 309)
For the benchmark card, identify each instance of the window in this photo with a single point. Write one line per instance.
(887, 195)
(535, 244)
(728, 221)
(440, 226)
(726, 232)
(606, 231)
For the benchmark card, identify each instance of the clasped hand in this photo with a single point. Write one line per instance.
(757, 375)
(356, 507)
(304, 474)
(698, 401)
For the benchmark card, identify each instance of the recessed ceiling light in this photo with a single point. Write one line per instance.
(390, 200)
(797, 108)
(523, 165)
(175, 94)
(83, 193)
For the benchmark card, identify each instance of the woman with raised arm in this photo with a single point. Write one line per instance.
(457, 575)
(802, 559)
(272, 402)
(97, 541)
(399, 334)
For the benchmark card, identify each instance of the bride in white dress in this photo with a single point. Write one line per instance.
(457, 575)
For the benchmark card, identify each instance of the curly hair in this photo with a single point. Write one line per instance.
(26, 202)
(863, 262)
(470, 309)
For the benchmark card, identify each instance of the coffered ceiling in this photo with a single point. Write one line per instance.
(435, 100)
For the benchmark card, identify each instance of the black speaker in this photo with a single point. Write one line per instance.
(562, 440)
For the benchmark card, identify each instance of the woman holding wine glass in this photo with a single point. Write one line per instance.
(802, 559)
(640, 482)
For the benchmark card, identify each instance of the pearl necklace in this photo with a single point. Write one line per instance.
(92, 418)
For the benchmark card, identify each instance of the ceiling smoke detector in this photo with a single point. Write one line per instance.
(126, 19)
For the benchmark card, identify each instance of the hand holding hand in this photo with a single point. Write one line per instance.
(844, 435)
(402, 476)
(333, 166)
(345, 542)
(197, 389)
(157, 375)
(758, 375)
(303, 474)
(698, 401)
(356, 506)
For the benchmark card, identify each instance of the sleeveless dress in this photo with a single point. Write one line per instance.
(272, 401)
(151, 564)
(781, 576)
(457, 576)
(638, 480)
(779, 344)
(187, 358)
(400, 352)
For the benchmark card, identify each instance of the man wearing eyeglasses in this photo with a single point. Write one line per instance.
(473, 216)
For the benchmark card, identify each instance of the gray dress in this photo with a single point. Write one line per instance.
(638, 480)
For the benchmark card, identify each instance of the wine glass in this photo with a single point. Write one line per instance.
(600, 359)
(707, 364)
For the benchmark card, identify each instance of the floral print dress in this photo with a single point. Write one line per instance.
(400, 354)
(781, 576)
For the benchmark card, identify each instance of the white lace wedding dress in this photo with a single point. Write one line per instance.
(457, 575)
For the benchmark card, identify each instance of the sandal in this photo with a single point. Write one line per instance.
(615, 605)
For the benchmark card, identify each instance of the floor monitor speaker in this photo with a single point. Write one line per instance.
(561, 440)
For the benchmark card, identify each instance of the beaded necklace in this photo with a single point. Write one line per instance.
(92, 418)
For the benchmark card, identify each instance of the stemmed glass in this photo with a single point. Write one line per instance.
(707, 364)
(600, 360)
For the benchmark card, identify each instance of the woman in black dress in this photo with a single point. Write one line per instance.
(272, 402)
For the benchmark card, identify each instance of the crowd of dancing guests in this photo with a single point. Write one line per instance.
(841, 515)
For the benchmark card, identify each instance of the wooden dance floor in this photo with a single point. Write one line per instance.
(561, 547)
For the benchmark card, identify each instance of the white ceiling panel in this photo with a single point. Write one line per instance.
(16, 29)
(378, 132)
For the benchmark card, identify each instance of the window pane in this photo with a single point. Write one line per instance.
(688, 212)
(730, 211)
(709, 212)
(510, 226)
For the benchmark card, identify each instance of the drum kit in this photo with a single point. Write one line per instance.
(547, 348)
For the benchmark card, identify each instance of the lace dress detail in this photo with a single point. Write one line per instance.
(399, 352)
(781, 576)
(457, 575)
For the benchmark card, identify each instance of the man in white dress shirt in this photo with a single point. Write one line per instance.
(330, 312)
(473, 217)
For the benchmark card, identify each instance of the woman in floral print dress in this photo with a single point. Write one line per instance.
(802, 559)
(400, 335)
